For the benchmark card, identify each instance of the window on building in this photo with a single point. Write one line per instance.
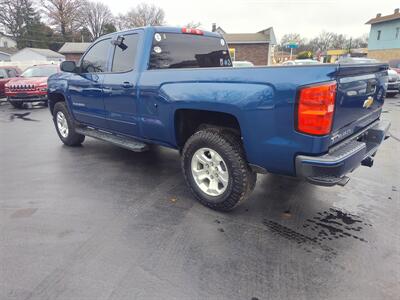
(124, 55)
(379, 35)
(397, 32)
(95, 61)
(5, 44)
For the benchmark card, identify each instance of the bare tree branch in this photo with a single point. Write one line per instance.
(142, 15)
(65, 15)
(96, 16)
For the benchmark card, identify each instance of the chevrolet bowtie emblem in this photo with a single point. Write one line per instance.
(368, 103)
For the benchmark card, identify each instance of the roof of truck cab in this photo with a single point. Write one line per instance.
(166, 29)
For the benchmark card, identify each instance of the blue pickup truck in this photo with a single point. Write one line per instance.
(177, 88)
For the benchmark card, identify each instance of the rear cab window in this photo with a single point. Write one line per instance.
(179, 50)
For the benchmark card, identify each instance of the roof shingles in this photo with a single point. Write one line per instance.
(381, 19)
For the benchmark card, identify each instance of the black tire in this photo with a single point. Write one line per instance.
(72, 139)
(17, 104)
(241, 179)
(391, 95)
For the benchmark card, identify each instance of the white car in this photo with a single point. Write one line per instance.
(393, 85)
(300, 62)
(242, 64)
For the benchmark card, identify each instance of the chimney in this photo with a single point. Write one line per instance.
(379, 15)
(396, 11)
(214, 27)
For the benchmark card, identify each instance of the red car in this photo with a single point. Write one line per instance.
(31, 86)
(6, 73)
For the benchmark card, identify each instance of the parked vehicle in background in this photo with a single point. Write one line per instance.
(176, 87)
(395, 65)
(300, 62)
(393, 85)
(6, 74)
(356, 60)
(242, 64)
(30, 86)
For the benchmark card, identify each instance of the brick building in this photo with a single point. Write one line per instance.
(74, 51)
(254, 47)
(384, 37)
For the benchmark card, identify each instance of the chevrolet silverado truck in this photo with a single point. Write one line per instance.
(177, 88)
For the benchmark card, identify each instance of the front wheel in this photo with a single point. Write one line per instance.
(216, 170)
(65, 126)
(17, 104)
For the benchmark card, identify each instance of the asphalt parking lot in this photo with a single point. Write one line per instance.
(101, 222)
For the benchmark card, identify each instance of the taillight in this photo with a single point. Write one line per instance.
(192, 31)
(315, 108)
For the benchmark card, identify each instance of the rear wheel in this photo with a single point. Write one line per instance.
(216, 170)
(391, 95)
(16, 104)
(65, 126)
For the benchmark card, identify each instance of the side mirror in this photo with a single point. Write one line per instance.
(68, 66)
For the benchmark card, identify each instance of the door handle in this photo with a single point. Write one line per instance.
(127, 85)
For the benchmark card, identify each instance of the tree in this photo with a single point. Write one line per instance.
(20, 19)
(305, 55)
(65, 15)
(292, 38)
(322, 42)
(193, 25)
(142, 15)
(360, 42)
(97, 19)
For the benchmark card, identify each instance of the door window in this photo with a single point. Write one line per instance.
(11, 73)
(125, 54)
(3, 74)
(95, 61)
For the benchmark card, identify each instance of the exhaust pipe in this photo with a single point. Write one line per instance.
(368, 162)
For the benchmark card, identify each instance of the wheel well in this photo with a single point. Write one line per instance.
(188, 121)
(53, 99)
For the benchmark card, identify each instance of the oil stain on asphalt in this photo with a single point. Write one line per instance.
(309, 244)
(326, 226)
(335, 224)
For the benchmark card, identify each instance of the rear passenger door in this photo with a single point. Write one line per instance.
(120, 86)
(85, 88)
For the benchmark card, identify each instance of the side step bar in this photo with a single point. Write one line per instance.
(124, 142)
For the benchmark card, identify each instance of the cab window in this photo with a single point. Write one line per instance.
(125, 54)
(95, 60)
(177, 50)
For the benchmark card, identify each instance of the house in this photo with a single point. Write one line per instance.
(30, 54)
(5, 53)
(7, 41)
(254, 47)
(74, 51)
(384, 36)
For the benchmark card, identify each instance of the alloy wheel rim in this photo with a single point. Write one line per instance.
(210, 172)
(62, 124)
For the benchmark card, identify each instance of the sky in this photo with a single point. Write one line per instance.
(306, 17)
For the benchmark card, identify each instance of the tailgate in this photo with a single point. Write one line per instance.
(360, 97)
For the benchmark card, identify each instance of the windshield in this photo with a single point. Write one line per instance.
(40, 71)
(177, 50)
